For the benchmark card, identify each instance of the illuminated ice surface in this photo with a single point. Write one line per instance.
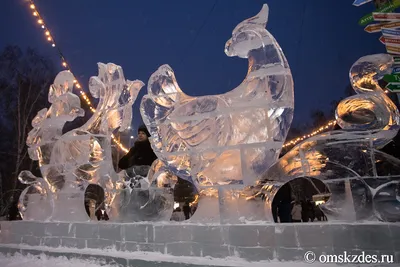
(220, 143)
(232, 137)
(364, 182)
(70, 162)
(144, 199)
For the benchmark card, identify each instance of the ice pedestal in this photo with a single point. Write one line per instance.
(253, 242)
(348, 207)
(36, 203)
(70, 207)
(36, 208)
(207, 211)
(226, 205)
(236, 207)
(153, 204)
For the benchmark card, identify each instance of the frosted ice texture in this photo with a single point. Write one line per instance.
(144, 199)
(363, 181)
(371, 108)
(70, 162)
(232, 137)
(223, 139)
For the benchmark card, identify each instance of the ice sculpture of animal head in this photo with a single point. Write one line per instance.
(81, 156)
(363, 181)
(249, 35)
(232, 137)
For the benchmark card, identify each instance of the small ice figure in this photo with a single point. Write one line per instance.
(232, 137)
(363, 181)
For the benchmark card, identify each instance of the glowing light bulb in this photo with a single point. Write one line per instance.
(32, 6)
(35, 14)
(47, 33)
(64, 64)
(53, 45)
(42, 26)
(49, 38)
(40, 21)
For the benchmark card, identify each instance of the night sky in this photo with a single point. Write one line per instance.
(321, 40)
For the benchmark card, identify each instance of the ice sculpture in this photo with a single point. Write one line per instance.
(232, 137)
(364, 182)
(47, 129)
(72, 161)
(141, 199)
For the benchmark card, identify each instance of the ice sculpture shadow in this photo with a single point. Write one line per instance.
(363, 181)
(229, 138)
(70, 162)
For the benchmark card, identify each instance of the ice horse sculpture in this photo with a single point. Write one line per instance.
(232, 137)
(70, 162)
(363, 181)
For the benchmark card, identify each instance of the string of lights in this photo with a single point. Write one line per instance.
(64, 63)
(315, 132)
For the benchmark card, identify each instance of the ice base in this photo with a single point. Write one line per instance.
(251, 242)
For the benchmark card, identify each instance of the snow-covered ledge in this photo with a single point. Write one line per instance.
(252, 242)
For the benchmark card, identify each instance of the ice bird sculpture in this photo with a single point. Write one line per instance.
(232, 137)
(363, 181)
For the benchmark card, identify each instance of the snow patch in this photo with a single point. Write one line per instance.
(42, 260)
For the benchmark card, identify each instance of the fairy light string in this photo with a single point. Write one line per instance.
(66, 66)
(36, 14)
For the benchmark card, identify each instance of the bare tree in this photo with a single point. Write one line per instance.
(25, 78)
(318, 118)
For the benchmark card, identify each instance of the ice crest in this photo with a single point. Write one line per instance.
(232, 137)
(70, 162)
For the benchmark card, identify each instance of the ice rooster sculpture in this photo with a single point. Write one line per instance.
(363, 181)
(230, 138)
(70, 162)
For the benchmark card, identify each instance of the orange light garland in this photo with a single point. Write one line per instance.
(64, 63)
(319, 130)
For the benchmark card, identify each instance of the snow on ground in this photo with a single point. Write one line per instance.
(19, 260)
(42, 260)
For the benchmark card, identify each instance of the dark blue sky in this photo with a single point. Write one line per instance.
(321, 40)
